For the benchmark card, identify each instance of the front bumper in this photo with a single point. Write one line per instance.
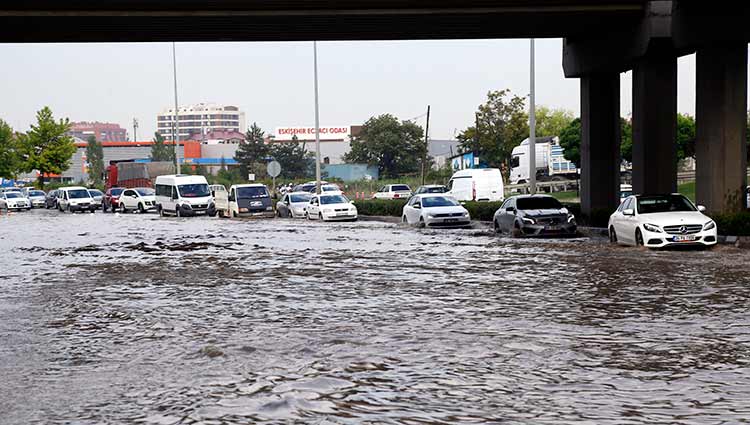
(448, 222)
(40, 203)
(257, 213)
(663, 239)
(339, 216)
(82, 207)
(566, 229)
(193, 211)
(18, 206)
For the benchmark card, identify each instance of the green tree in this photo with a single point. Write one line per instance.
(47, 148)
(626, 139)
(551, 122)
(10, 159)
(296, 161)
(502, 125)
(161, 151)
(570, 141)
(395, 147)
(95, 158)
(252, 153)
(685, 136)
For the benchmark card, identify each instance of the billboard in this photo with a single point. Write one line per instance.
(308, 133)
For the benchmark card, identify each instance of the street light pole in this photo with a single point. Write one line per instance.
(532, 125)
(176, 138)
(317, 120)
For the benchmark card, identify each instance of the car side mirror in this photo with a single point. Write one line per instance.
(628, 211)
(351, 202)
(701, 208)
(213, 193)
(510, 210)
(462, 203)
(417, 206)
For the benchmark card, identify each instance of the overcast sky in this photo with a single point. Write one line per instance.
(272, 82)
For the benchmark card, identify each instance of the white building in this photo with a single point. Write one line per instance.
(335, 141)
(197, 120)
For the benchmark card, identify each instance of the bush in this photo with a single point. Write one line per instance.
(733, 224)
(382, 207)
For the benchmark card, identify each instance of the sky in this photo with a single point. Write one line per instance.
(273, 82)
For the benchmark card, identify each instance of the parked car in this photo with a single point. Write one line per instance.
(306, 187)
(435, 210)
(393, 191)
(111, 199)
(50, 201)
(431, 188)
(534, 215)
(37, 198)
(326, 188)
(335, 207)
(477, 184)
(142, 199)
(183, 195)
(293, 204)
(98, 197)
(74, 198)
(245, 200)
(656, 221)
(12, 200)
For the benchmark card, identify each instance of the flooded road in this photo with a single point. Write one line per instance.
(136, 319)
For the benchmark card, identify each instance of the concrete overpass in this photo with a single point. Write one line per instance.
(602, 39)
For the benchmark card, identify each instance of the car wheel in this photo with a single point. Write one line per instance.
(638, 237)
(612, 235)
(70, 210)
(123, 210)
(496, 226)
(421, 223)
(113, 208)
(516, 232)
(141, 209)
(320, 216)
(160, 210)
(221, 213)
(404, 220)
(177, 212)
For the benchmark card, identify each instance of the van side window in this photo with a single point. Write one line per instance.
(174, 192)
(450, 185)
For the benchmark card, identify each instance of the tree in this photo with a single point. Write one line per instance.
(47, 148)
(685, 136)
(570, 141)
(162, 152)
(395, 147)
(10, 160)
(502, 125)
(295, 160)
(252, 153)
(95, 158)
(551, 122)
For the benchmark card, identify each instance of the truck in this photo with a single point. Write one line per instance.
(130, 174)
(551, 164)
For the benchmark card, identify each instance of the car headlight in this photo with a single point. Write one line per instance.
(710, 225)
(430, 216)
(652, 228)
(571, 218)
(528, 220)
(269, 208)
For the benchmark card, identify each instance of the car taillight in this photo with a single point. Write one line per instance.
(395, 195)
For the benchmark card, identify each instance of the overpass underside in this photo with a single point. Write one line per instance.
(603, 39)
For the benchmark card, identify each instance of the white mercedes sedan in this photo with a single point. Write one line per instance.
(435, 210)
(657, 221)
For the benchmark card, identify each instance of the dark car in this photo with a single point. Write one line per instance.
(50, 201)
(110, 200)
(534, 215)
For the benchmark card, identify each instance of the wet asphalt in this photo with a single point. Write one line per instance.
(109, 318)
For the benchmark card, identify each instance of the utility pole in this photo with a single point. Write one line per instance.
(176, 138)
(426, 143)
(317, 120)
(135, 129)
(532, 124)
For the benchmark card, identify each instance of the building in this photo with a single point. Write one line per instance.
(335, 141)
(102, 131)
(441, 151)
(197, 120)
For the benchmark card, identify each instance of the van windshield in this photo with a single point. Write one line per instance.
(198, 190)
(252, 192)
(78, 194)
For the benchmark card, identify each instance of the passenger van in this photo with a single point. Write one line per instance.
(183, 195)
(75, 198)
(477, 184)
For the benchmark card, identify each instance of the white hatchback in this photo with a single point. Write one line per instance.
(435, 210)
(327, 207)
(656, 221)
(141, 198)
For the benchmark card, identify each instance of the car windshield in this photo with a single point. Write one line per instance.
(13, 195)
(78, 194)
(664, 203)
(198, 190)
(329, 189)
(95, 193)
(252, 192)
(538, 203)
(300, 198)
(438, 201)
(36, 193)
(436, 189)
(144, 191)
(116, 192)
(400, 188)
(333, 199)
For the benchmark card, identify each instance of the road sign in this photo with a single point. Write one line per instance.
(274, 169)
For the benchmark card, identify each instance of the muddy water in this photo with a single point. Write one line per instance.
(136, 319)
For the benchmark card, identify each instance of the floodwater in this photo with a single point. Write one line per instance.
(135, 319)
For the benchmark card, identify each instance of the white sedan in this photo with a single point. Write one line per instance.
(327, 207)
(656, 221)
(435, 210)
(293, 205)
(141, 198)
(14, 201)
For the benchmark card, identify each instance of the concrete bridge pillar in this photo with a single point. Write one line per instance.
(721, 119)
(600, 142)
(655, 123)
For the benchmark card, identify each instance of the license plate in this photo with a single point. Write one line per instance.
(341, 214)
(451, 220)
(553, 227)
(683, 238)
(243, 209)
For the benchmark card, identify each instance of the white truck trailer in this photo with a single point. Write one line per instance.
(551, 164)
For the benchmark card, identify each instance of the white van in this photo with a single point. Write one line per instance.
(183, 195)
(75, 198)
(477, 184)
